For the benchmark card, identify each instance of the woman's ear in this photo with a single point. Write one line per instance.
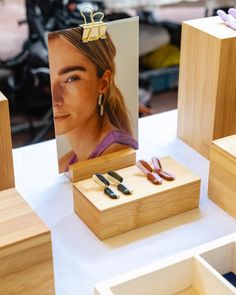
(105, 81)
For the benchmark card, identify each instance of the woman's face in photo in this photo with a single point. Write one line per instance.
(75, 86)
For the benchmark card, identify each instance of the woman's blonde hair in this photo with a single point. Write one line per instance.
(102, 53)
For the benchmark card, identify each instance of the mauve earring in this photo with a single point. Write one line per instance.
(100, 104)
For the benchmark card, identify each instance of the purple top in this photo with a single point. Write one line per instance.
(115, 136)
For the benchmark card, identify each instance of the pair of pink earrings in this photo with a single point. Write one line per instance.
(227, 18)
(155, 174)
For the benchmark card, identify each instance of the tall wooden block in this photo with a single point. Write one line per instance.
(207, 87)
(222, 177)
(6, 161)
(26, 265)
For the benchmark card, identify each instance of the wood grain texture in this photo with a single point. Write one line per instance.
(26, 265)
(189, 291)
(227, 146)
(149, 203)
(207, 89)
(225, 111)
(113, 161)
(222, 176)
(6, 161)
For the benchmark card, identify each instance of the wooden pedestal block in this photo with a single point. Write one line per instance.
(113, 161)
(222, 177)
(207, 88)
(26, 265)
(149, 202)
(6, 162)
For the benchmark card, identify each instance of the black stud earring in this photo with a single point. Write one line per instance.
(118, 180)
(104, 183)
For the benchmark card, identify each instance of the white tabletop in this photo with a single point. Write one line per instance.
(81, 260)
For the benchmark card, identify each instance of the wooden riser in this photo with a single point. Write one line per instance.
(28, 272)
(222, 176)
(149, 203)
(207, 88)
(6, 162)
(26, 264)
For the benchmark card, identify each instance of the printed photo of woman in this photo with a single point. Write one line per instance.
(88, 107)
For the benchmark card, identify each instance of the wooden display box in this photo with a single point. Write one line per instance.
(26, 265)
(113, 161)
(6, 162)
(149, 202)
(196, 272)
(222, 177)
(207, 88)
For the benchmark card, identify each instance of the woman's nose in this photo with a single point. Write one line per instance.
(57, 98)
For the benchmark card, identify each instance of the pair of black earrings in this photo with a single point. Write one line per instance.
(116, 179)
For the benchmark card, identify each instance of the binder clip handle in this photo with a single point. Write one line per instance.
(84, 17)
(97, 13)
(95, 29)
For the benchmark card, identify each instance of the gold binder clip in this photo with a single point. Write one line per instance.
(94, 30)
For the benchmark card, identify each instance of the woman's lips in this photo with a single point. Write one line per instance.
(61, 117)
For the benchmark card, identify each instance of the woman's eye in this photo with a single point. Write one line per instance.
(73, 78)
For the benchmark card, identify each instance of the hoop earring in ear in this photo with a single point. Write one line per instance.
(100, 104)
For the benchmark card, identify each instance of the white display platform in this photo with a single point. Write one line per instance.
(81, 260)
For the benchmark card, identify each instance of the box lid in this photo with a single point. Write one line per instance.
(18, 223)
(227, 144)
(213, 26)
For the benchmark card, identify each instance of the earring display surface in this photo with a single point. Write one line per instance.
(107, 217)
(118, 180)
(231, 25)
(158, 169)
(147, 169)
(104, 183)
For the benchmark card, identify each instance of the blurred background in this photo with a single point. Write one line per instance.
(24, 70)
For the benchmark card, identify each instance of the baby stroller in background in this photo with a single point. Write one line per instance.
(28, 84)
(66, 13)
